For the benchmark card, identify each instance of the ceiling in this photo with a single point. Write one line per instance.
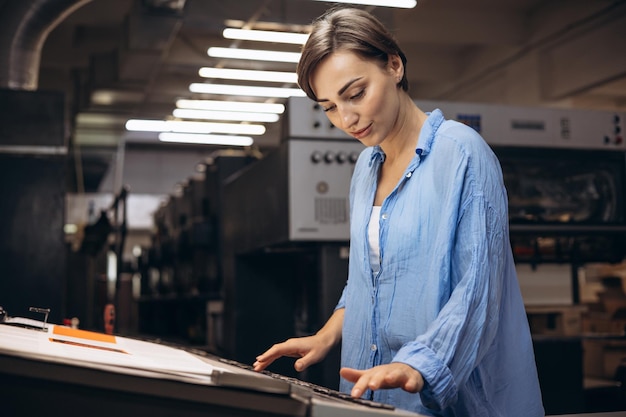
(121, 59)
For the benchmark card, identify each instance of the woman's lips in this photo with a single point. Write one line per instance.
(363, 132)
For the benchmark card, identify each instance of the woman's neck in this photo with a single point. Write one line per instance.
(409, 123)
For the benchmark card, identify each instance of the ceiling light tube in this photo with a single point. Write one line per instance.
(205, 139)
(254, 54)
(404, 4)
(193, 127)
(265, 36)
(245, 90)
(231, 106)
(249, 75)
(225, 115)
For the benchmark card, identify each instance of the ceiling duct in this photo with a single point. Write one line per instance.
(24, 27)
(150, 30)
(166, 6)
(126, 74)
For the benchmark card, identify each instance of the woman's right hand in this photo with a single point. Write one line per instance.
(309, 349)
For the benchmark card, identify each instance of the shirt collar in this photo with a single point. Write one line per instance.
(425, 140)
(377, 153)
(427, 133)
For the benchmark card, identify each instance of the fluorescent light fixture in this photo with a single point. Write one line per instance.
(205, 139)
(249, 75)
(140, 125)
(404, 4)
(265, 36)
(245, 90)
(225, 115)
(254, 54)
(231, 106)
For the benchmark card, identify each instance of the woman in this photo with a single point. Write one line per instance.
(431, 319)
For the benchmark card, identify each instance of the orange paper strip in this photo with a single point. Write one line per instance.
(83, 334)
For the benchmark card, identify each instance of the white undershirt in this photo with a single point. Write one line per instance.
(373, 239)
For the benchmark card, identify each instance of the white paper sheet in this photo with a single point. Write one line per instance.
(72, 345)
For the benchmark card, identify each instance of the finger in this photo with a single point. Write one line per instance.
(393, 379)
(301, 364)
(261, 365)
(350, 374)
(409, 381)
(359, 378)
(266, 358)
(378, 380)
(305, 361)
(414, 383)
(412, 386)
(312, 357)
(288, 348)
(360, 386)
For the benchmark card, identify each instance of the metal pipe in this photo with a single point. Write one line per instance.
(24, 27)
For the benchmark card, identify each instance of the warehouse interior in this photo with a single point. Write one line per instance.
(183, 240)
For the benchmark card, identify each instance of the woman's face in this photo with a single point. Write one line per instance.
(359, 96)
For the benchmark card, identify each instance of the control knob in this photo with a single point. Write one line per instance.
(316, 157)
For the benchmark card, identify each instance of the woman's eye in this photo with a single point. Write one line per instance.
(357, 95)
(329, 108)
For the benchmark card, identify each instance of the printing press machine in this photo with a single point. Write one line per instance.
(53, 370)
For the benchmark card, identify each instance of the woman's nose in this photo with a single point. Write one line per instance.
(348, 117)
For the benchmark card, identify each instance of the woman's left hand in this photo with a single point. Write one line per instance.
(393, 375)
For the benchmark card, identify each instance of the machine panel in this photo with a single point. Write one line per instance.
(53, 370)
(319, 180)
(538, 127)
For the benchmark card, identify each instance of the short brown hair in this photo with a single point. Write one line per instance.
(352, 30)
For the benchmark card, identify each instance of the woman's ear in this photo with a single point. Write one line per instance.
(395, 67)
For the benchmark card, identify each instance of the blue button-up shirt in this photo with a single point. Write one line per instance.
(446, 300)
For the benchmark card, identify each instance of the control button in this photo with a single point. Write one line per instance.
(329, 156)
(353, 157)
(322, 187)
(316, 125)
(316, 157)
(606, 140)
(619, 140)
(342, 157)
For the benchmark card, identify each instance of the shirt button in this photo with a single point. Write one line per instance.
(409, 174)
(373, 347)
(385, 216)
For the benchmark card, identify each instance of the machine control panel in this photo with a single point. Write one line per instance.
(322, 158)
(330, 157)
(498, 124)
(536, 126)
(319, 183)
